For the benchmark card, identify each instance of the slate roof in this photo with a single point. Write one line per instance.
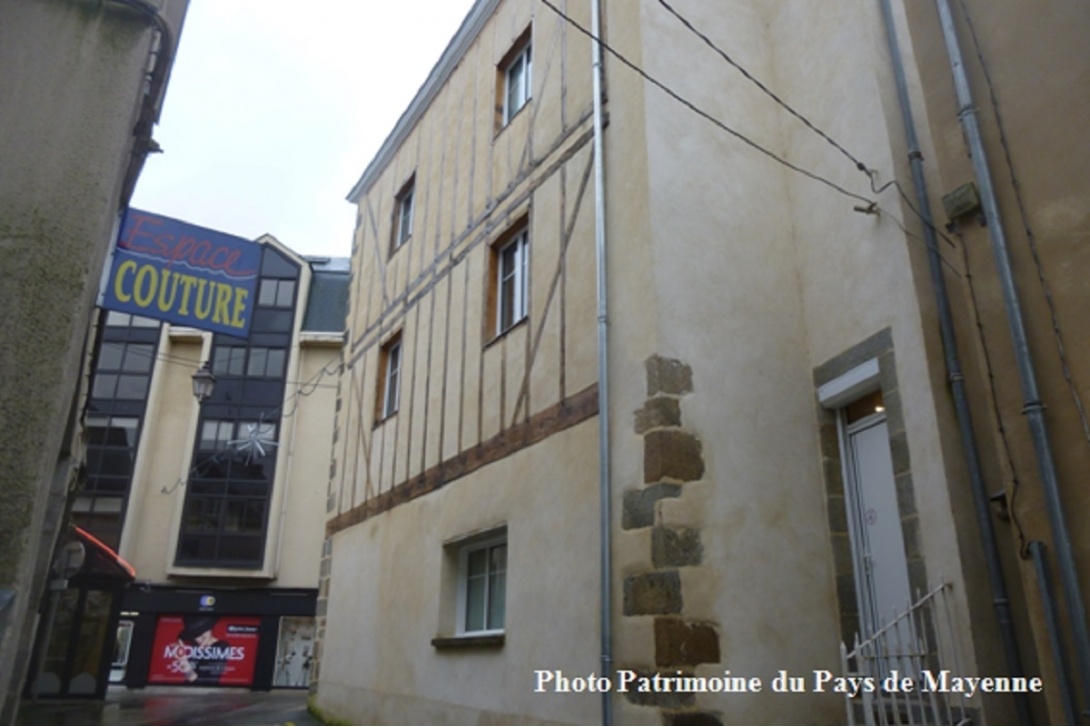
(327, 304)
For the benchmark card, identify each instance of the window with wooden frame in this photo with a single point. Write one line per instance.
(514, 80)
(389, 383)
(509, 280)
(403, 213)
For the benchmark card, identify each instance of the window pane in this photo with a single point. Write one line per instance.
(122, 431)
(256, 366)
(142, 322)
(104, 386)
(98, 430)
(228, 360)
(285, 292)
(113, 318)
(138, 357)
(202, 514)
(405, 217)
(267, 293)
(215, 434)
(475, 588)
(497, 592)
(393, 371)
(241, 548)
(497, 585)
(132, 387)
(514, 86)
(117, 462)
(275, 365)
(110, 355)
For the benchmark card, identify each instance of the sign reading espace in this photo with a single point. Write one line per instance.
(187, 275)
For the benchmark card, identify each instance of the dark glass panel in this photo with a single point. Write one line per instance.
(241, 548)
(104, 386)
(275, 265)
(131, 386)
(117, 462)
(139, 357)
(110, 356)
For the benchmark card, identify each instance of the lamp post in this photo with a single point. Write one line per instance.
(204, 383)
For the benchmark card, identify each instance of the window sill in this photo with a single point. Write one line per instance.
(469, 641)
(382, 420)
(506, 332)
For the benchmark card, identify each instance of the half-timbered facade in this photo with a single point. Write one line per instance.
(786, 469)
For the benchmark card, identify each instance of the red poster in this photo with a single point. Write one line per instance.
(204, 649)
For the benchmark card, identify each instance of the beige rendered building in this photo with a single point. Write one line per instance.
(798, 390)
(217, 503)
(81, 84)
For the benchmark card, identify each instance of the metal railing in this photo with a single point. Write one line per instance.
(903, 668)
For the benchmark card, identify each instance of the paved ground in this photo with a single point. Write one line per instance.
(176, 706)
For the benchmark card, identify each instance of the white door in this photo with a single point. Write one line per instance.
(877, 540)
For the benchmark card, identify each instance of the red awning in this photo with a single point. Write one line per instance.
(101, 561)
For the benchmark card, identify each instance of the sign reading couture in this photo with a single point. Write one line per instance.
(183, 274)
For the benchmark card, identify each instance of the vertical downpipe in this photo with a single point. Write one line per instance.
(1000, 599)
(1033, 408)
(604, 489)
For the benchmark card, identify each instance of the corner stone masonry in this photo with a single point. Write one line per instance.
(672, 457)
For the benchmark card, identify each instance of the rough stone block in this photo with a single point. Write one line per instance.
(639, 505)
(906, 495)
(837, 514)
(671, 453)
(661, 411)
(663, 700)
(652, 594)
(672, 548)
(667, 376)
(898, 450)
(681, 643)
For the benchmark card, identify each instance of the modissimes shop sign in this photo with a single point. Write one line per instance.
(183, 274)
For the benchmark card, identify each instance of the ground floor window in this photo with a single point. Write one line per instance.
(483, 586)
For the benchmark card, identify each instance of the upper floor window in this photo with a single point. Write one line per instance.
(276, 293)
(390, 378)
(113, 318)
(403, 222)
(515, 78)
(511, 262)
(124, 370)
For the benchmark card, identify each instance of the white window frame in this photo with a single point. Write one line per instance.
(391, 385)
(404, 221)
(463, 586)
(519, 87)
(516, 278)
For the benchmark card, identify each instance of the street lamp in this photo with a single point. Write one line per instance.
(204, 382)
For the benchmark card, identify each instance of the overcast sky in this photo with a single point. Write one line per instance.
(275, 107)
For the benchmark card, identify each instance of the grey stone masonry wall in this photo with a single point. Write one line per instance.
(672, 457)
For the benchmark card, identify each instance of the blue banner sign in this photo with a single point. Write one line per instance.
(183, 274)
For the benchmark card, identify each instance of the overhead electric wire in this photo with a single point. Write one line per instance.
(723, 54)
(702, 113)
(859, 164)
(871, 204)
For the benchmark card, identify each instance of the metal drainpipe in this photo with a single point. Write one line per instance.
(1000, 601)
(1033, 408)
(604, 489)
(1052, 626)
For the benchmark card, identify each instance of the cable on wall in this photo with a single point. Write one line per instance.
(704, 114)
(1031, 238)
